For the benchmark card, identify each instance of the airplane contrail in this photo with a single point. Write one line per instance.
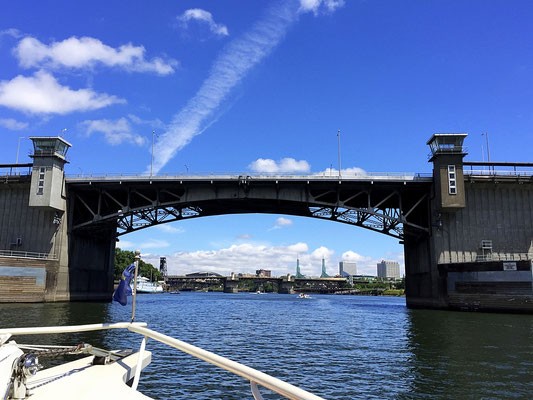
(231, 66)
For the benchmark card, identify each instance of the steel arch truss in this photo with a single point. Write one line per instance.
(144, 218)
(380, 211)
(394, 209)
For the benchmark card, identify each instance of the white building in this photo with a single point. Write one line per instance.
(389, 269)
(347, 268)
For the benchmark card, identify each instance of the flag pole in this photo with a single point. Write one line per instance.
(137, 258)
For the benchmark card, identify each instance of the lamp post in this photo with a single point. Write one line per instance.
(187, 167)
(18, 149)
(488, 149)
(339, 139)
(152, 162)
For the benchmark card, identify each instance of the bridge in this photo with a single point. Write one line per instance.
(467, 228)
(230, 284)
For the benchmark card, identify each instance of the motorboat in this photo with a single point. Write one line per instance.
(304, 296)
(145, 286)
(104, 374)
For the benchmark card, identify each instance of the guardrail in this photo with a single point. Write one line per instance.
(253, 175)
(492, 172)
(27, 254)
(504, 257)
(254, 376)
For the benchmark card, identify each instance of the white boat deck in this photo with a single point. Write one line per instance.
(80, 380)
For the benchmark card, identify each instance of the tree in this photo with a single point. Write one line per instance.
(124, 258)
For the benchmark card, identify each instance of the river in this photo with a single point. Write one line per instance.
(338, 347)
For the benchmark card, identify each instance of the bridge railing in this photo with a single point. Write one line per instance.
(491, 172)
(504, 257)
(256, 175)
(10, 170)
(27, 254)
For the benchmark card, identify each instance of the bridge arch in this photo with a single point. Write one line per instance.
(394, 206)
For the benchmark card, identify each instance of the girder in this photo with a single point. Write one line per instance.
(388, 209)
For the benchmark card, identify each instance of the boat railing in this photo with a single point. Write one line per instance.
(255, 377)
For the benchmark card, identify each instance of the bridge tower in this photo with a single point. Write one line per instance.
(425, 285)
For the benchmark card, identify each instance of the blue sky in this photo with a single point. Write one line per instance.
(233, 86)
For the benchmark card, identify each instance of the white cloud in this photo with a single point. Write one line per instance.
(15, 33)
(317, 6)
(13, 124)
(169, 229)
(154, 244)
(244, 236)
(205, 17)
(285, 165)
(42, 94)
(235, 61)
(115, 131)
(281, 222)
(85, 52)
(345, 172)
(245, 258)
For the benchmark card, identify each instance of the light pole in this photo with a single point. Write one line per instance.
(488, 149)
(187, 169)
(152, 162)
(339, 138)
(18, 149)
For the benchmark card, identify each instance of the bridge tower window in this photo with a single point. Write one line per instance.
(41, 181)
(452, 182)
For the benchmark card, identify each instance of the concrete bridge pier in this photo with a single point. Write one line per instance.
(231, 284)
(91, 265)
(286, 286)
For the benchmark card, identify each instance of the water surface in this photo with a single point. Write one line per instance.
(338, 347)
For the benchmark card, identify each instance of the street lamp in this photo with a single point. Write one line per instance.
(152, 162)
(18, 149)
(339, 138)
(488, 150)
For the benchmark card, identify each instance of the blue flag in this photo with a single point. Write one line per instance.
(124, 290)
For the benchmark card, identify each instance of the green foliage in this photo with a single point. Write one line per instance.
(124, 258)
(393, 292)
(401, 284)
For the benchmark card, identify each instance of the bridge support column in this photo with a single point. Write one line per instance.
(424, 287)
(230, 285)
(286, 286)
(91, 265)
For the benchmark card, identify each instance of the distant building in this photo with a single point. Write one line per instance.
(347, 268)
(324, 274)
(163, 266)
(265, 273)
(389, 269)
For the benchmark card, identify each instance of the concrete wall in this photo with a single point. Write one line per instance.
(40, 230)
(501, 212)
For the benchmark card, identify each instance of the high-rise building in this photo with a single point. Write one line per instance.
(163, 266)
(265, 273)
(324, 273)
(389, 269)
(347, 268)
